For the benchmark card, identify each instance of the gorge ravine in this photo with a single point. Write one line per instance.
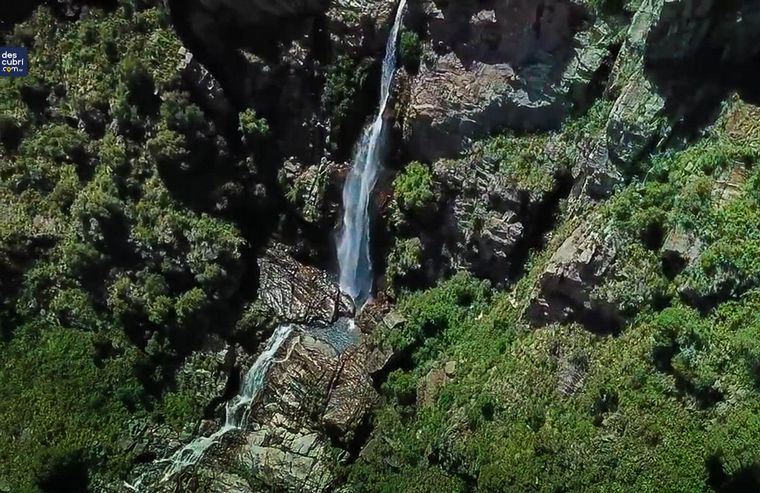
(353, 251)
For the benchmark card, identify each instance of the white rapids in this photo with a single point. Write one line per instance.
(237, 409)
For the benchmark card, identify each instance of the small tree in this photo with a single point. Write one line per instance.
(413, 187)
(252, 126)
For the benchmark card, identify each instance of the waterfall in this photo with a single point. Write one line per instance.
(355, 270)
(353, 244)
(237, 409)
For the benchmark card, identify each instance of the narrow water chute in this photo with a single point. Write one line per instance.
(356, 276)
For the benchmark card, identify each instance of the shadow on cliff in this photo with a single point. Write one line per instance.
(695, 90)
(721, 58)
(492, 32)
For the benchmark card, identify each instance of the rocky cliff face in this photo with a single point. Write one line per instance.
(659, 77)
(290, 292)
(511, 66)
(498, 65)
(312, 410)
(274, 57)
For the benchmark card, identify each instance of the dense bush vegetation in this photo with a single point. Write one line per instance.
(413, 188)
(107, 280)
(410, 50)
(671, 404)
(344, 82)
(119, 258)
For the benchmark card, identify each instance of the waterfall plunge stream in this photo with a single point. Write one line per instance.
(353, 257)
(237, 410)
(354, 242)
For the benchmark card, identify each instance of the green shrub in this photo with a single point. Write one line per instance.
(344, 82)
(251, 126)
(414, 187)
(189, 304)
(63, 403)
(522, 160)
(410, 50)
(403, 260)
(401, 386)
(169, 148)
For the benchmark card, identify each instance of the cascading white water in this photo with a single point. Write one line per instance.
(353, 244)
(237, 409)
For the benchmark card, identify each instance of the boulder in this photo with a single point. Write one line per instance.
(291, 292)
(595, 174)
(429, 386)
(679, 250)
(564, 291)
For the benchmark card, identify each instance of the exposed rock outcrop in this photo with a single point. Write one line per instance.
(290, 292)
(660, 77)
(317, 395)
(636, 121)
(496, 65)
(564, 292)
(484, 215)
(680, 249)
(685, 29)
(359, 24)
(595, 174)
(637, 116)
